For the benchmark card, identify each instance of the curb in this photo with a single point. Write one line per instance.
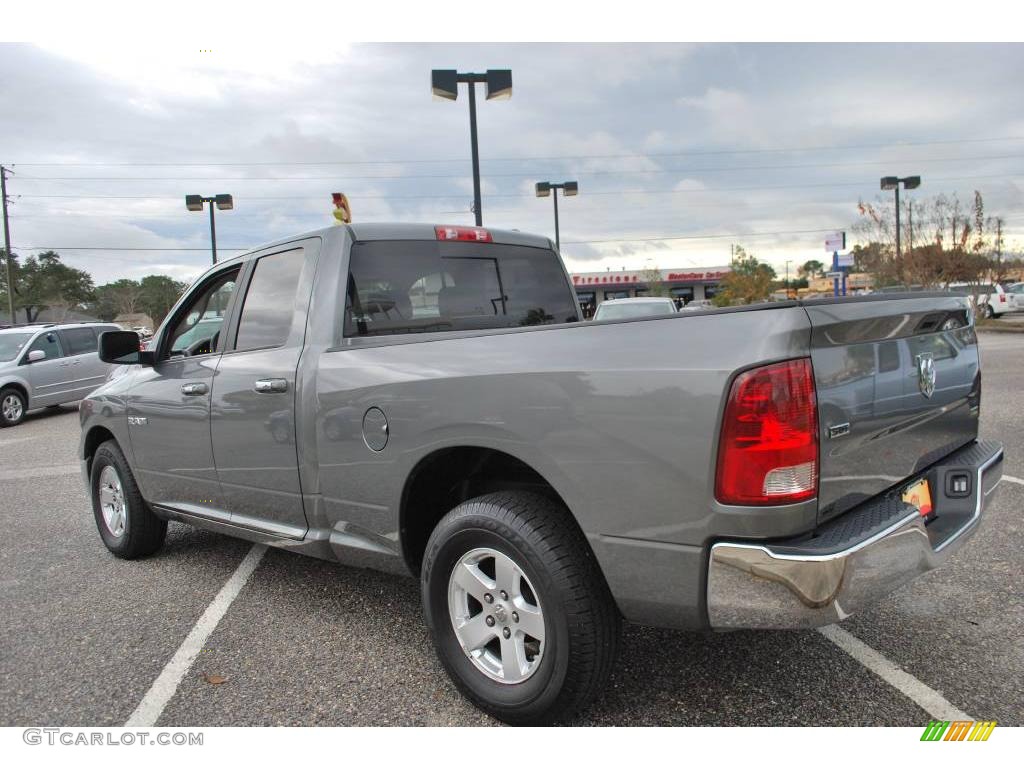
(995, 328)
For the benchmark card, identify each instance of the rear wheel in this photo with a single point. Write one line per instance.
(12, 407)
(988, 312)
(520, 614)
(126, 524)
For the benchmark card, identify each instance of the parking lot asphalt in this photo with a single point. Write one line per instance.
(312, 643)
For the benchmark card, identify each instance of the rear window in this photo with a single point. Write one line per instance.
(417, 286)
(80, 340)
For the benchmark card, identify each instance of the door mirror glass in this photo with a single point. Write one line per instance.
(36, 355)
(120, 347)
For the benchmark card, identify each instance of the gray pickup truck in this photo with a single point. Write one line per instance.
(426, 399)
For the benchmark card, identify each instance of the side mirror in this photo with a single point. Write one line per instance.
(36, 355)
(123, 348)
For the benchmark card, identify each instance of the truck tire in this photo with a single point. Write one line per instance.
(520, 614)
(12, 407)
(127, 525)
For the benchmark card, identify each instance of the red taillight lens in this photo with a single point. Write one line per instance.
(472, 234)
(768, 448)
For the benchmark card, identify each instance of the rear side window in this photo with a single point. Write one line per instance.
(269, 305)
(79, 340)
(418, 286)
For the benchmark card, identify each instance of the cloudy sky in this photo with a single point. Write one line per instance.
(679, 150)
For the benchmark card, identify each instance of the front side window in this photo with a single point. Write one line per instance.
(197, 327)
(418, 286)
(269, 304)
(80, 340)
(49, 343)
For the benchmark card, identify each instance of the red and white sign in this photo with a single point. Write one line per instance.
(835, 242)
(711, 274)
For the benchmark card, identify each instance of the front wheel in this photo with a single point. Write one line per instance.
(126, 524)
(520, 614)
(12, 407)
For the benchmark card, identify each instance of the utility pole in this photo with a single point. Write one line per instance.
(7, 246)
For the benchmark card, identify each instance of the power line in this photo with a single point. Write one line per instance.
(406, 177)
(685, 153)
(112, 248)
(590, 193)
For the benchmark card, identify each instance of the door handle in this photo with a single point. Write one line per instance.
(265, 386)
(194, 388)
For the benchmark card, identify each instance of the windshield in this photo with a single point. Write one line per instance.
(11, 344)
(615, 311)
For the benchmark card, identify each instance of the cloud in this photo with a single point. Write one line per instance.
(664, 140)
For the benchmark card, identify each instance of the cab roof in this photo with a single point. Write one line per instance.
(363, 232)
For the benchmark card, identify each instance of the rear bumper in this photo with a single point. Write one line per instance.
(852, 561)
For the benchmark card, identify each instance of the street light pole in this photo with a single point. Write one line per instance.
(213, 235)
(223, 202)
(444, 83)
(897, 221)
(558, 239)
(477, 203)
(893, 183)
(7, 246)
(545, 188)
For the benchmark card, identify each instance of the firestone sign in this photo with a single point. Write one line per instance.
(631, 278)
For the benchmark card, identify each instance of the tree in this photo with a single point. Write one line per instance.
(121, 297)
(158, 293)
(748, 281)
(655, 285)
(942, 243)
(43, 281)
(812, 268)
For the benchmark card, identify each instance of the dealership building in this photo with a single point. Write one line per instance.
(683, 285)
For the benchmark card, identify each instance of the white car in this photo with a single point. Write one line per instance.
(1015, 293)
(640, 306)
(993, 301)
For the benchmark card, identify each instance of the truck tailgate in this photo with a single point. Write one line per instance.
(898, 387)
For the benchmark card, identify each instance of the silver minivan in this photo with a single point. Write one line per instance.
(46, 365)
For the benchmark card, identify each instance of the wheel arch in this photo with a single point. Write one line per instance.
(21, 388)
(446, 477)
(94, 438)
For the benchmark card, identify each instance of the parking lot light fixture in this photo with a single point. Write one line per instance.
(550, 189)
(223, 202)
(444, 84)
(893, 183)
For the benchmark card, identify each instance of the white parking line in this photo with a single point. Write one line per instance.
(30, 472)
(928, 699)
(163, 688)
(1012, 479)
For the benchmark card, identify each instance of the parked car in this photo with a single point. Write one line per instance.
(697, 305)
(46, 365)
(640, 306)
(375, 395)
(1015, 293)
(992, 299)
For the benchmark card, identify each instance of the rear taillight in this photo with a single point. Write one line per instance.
(768, 448)
(471, 234)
